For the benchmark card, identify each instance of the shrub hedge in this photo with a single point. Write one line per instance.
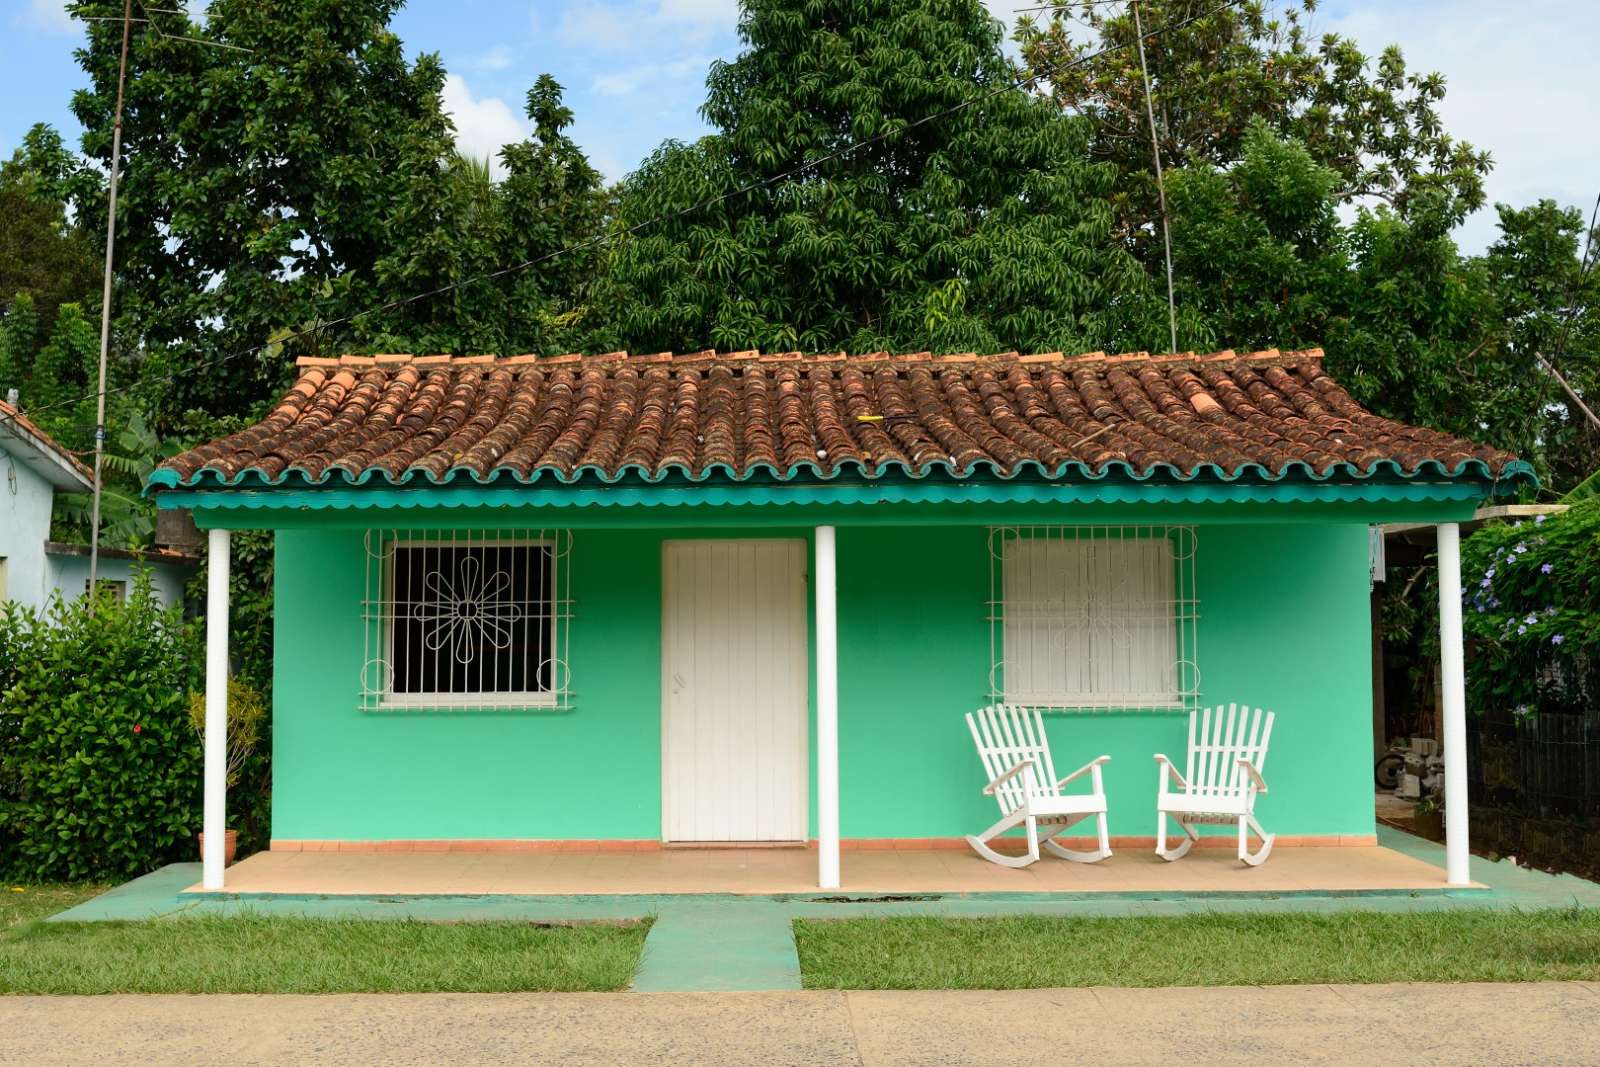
(1531, 592)
(100, 771)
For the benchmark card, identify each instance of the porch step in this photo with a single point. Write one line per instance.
(719, 945)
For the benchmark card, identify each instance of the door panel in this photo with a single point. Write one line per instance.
(734, 661)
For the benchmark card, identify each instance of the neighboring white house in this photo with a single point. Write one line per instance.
(32, 566)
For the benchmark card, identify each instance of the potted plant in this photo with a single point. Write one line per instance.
(1428, 817)
(246, 711)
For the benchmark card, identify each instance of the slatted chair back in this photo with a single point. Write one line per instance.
(1006, 735)
(1218, 739)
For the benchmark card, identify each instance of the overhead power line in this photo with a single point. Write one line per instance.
(1017, 85)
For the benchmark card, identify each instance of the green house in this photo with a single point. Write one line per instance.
(749, 597)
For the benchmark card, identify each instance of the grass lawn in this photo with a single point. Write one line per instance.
(262, 954)
(1479, 945)
(24, 903)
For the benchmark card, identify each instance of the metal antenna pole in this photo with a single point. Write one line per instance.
(105, 307)
(1161, 189)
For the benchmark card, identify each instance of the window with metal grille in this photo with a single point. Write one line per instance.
(465, 621)
(1093, 617)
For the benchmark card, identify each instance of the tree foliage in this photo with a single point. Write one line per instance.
(295, 190)
(969, 218)
(43, 255)
(1216, 72)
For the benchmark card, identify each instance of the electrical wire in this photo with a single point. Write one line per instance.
(1019, 84)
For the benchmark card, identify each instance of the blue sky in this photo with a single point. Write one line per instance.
(1520, 77)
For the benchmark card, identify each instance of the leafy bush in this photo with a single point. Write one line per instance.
(100, 773)
(246, 714)
(1531, 593)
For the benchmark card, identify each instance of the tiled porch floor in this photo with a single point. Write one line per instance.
(772, 871)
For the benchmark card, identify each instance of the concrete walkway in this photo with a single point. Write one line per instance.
(1546, 1024)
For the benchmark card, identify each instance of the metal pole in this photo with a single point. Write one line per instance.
(1161, 188)
(105, 306)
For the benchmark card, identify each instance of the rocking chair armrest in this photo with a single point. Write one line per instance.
(1172, 771)
(1085, 769)
(1255, 775)
(1012, 773)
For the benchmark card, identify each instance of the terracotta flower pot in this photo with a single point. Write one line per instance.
(1429, 824)
(230, 846)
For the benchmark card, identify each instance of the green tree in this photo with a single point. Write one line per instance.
(1258, 252)
(261, 187)
(1376, 124)
(19, 336)
(1546, 304)
(42, 253)
(58, 375)
(520, 252)
(297, 192)
(552, 199)
(983, 228)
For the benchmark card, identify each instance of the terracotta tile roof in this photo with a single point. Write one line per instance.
(734, 416)
(63, 468)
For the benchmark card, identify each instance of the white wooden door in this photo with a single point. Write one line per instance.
(733, 691)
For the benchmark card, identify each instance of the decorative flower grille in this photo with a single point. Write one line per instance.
(473, 620)
(1093, 617)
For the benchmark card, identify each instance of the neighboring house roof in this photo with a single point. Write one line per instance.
(154, 554)
(37, 450)
(745, 416)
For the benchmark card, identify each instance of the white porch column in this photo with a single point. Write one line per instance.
(216, 736)
(827, 711)
(1453, 686)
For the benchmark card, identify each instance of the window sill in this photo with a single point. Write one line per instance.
(1064, 702)
(465, 701)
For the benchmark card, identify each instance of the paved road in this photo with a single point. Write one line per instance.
(1543, 1023)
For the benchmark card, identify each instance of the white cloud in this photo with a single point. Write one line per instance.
(50, 15)
(1516, 85)
(645, 75)
(715, 14)
(484, 125)
(656, 24)
(495, 59)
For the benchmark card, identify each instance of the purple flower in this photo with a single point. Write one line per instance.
(1531, 619)
(1549, 611)
(1522, 630)
(1489, 573)
(1538, 519)
(1485, 583)
(1558, 639)
(1546, 568)
(1522, 546)
(1494, 602)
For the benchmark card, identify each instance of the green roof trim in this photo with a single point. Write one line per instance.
(717, 474)
(828, 495)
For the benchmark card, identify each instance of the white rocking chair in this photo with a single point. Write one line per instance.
(1226, 754)
(1022, 779)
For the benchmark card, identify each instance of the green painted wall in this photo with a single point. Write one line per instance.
(1283, 623)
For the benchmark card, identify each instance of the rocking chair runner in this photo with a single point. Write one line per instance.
(1227, 752)
(1022, 778)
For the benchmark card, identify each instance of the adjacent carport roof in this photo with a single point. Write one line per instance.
(40, 452)
(765, 419)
